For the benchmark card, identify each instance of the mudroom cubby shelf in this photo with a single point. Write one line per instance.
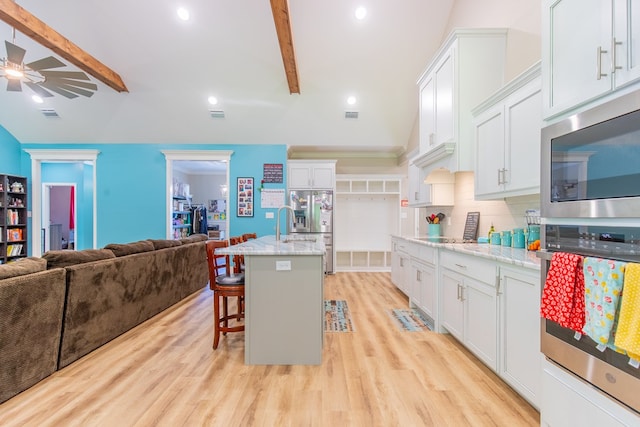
(13, 218)
(367, 213)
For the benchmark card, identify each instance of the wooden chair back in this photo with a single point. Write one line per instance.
(248, 236)
(218, 264)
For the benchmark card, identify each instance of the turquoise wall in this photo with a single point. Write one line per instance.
(9, 153)
(130, 186)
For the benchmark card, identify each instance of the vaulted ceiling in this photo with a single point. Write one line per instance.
(230, 50)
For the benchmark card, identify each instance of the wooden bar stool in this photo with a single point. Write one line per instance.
(224, 286)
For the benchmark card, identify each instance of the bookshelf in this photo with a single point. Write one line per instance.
(13, 218)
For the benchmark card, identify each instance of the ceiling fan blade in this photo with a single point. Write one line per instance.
(45, 63)
(58, 90)
(14, 85)
(15, 53)
(75, 75)
(40, 91)
(72, 83)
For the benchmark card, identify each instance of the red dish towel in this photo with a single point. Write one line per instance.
(563, 293)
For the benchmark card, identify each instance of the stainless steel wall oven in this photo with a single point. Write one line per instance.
(590, 206)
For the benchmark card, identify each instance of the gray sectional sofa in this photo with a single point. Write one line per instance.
(51, 317)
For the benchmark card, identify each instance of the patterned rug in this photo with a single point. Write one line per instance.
(410, 320)
(337, 317)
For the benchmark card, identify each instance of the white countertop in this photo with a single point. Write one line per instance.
(268, 245)
(520, 257)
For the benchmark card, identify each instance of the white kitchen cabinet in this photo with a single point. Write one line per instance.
(521, 359)
(438, 192)
(452, 303)
(424, 282)
(569, 401)
(309, 174)
(469, 308)
(401, 264)
(468, 67)
(589, 49)
(507, 139)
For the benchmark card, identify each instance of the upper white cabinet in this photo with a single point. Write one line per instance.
(309, 174)
(468, 67)
(589, 49)
(507, 139)
(438, 190)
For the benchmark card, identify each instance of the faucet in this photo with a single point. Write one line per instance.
(278, 219)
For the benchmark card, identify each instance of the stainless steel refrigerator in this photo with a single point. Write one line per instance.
(313, 216)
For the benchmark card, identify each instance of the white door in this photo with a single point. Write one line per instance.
(490, 151)
(627, 41)
(445, 98)
(452, 291)
(481, 327)
(576, 52)
(522, 147)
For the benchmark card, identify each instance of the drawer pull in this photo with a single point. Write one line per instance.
(461, 265)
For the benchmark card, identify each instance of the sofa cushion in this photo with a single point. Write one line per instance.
(122, 249)
(164, 243)
(22, 267)
(64, 258)
(194, 238)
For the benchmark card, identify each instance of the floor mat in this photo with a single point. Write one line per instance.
(410, 320)
(337, 317)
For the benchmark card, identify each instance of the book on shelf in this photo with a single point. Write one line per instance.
(13, 217)
(14, 234)
(14, 250)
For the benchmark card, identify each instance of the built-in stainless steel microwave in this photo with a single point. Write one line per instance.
(590, 163)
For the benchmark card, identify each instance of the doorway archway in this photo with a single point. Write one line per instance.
(42, 156)
(195, 155)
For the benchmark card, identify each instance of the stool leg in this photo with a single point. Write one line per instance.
(216, 320)
(225, 310)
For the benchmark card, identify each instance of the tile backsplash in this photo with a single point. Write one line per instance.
(504, 214)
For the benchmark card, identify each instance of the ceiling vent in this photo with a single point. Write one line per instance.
(350, 114)
(49, 112)
(217, 114)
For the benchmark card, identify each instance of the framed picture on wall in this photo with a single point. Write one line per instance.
(245, 196)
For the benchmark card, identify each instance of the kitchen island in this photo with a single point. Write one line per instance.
(284, 300)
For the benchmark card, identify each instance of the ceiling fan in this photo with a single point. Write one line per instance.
(40, 77)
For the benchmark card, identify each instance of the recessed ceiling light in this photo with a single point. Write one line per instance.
(37, 99)
(351, 100)
(212, 100)
(361, 12)
(183, 14)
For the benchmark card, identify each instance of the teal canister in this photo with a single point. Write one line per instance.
(506, 238)
(534, 233)
(495, 238)
(518, 238)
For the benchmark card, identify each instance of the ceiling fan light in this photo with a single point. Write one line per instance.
(13, 73)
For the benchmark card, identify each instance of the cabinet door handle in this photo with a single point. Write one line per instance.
(415, 196)
(614, 60)
(599, 73)
(431, 135)
(461, 293)
(418, 276)
(499, 170)
(498, 283)
(504, 175)
(458, 291)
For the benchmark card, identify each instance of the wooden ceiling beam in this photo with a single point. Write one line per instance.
(29, 25)
(280, 10)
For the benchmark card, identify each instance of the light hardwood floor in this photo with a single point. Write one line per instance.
(165, 373)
